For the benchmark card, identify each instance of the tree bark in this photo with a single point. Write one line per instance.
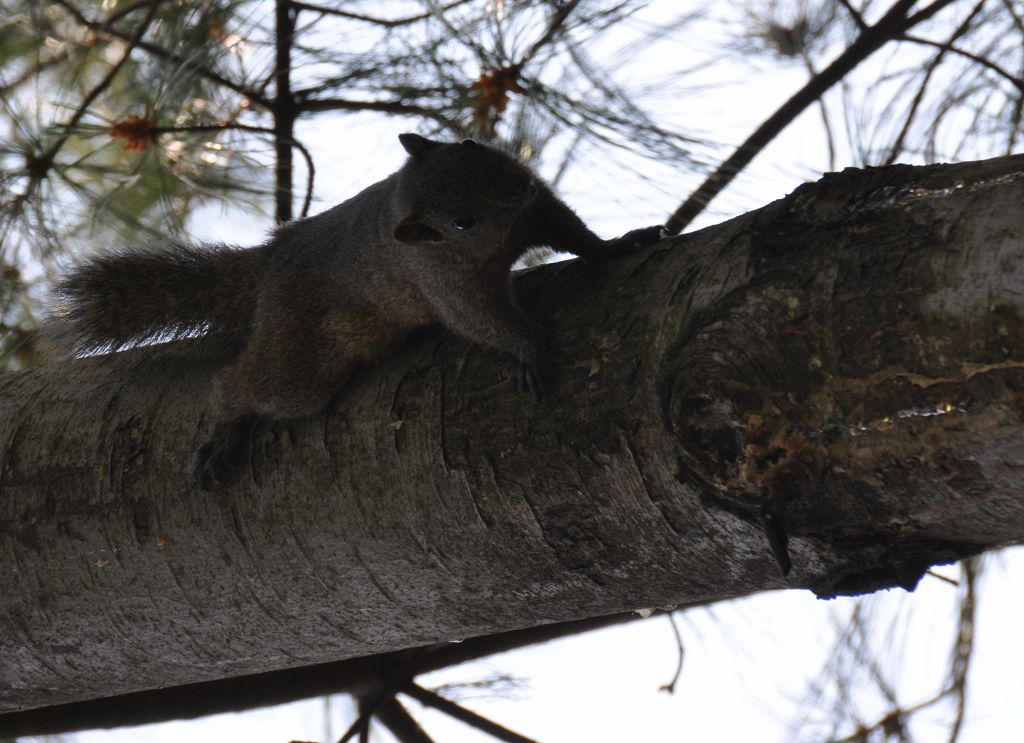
(834, 381)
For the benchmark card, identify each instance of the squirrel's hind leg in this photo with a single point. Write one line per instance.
(284, 373)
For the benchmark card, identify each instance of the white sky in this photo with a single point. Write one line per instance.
(749, 663)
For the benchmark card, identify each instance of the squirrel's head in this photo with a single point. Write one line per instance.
(464, 196)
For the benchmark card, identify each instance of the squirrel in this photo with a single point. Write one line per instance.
(432, 242)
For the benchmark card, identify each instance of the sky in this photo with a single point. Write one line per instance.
(749, 664)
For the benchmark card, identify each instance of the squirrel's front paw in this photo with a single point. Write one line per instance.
(634, 240)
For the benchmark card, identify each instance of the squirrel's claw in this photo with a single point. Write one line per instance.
(212, 471)
(641, 238)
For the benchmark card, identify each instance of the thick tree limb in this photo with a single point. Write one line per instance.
(355, 676)
(848, 361)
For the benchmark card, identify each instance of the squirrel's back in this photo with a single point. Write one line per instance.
(132, 295)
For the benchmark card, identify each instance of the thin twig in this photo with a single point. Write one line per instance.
(829, 135)
(128, 10)
(925, 13)
(554, 26)
(964, 645)
(670, 687)
(897, 145)
(1017, 82)
(940, 576)
(886, 721)
(386, 22)
(306, 154)
(854, 14)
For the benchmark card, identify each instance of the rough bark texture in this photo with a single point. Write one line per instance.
(842, 369)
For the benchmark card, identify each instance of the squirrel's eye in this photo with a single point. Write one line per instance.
(464, 223)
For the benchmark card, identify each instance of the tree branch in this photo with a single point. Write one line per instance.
(450, 708)
(870, 390)
(284, 108)
(988, 64)
(401, 724)
(281, 687)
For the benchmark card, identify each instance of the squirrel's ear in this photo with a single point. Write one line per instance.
(416, 145)
(414, 232)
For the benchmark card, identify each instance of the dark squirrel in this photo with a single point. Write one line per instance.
(434, 241)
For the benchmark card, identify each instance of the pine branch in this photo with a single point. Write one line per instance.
(891, 26)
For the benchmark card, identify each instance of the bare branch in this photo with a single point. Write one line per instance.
(963, 648)
(988, 64)
(401, 724)
(361, 725)
(670, 687)
(284, 108)
(450, 708)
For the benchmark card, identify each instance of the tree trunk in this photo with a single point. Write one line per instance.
(834, 381)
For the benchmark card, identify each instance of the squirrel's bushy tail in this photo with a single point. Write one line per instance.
(123, 298)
